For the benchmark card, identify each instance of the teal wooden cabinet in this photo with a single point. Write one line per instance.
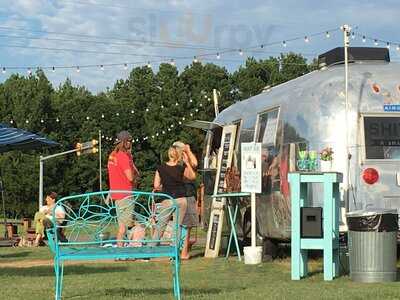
(329, 243)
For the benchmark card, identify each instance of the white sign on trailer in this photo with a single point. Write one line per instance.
(251, 167)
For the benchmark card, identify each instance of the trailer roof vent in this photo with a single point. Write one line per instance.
(336, 56)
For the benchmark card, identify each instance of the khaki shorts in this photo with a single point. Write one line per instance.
(125, 209)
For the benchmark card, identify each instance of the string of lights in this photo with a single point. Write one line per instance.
(170, 59)
(154, 135)
(376, 41)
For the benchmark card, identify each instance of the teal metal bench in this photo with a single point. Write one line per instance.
(91, 221)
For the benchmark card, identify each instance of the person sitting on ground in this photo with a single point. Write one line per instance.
(43, 218)
(136, 233)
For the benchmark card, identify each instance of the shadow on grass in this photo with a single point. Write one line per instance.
(16, 254)
(160, 292)
(68, 270)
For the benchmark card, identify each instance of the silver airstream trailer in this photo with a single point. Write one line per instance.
(309, 113)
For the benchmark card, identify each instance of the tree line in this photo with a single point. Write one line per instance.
(150, 105)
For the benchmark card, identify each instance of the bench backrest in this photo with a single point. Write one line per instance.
(91, 219)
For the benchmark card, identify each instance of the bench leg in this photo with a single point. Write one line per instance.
(59, 270)
(175, 275)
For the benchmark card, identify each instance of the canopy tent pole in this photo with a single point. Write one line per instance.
(4, 206)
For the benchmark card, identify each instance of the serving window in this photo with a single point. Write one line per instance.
(382, 137)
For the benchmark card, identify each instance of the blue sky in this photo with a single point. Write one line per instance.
(101, 32)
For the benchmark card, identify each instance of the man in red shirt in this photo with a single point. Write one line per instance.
(122, 173)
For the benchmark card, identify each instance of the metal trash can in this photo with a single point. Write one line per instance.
(373, 245)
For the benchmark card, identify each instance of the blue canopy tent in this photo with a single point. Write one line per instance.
(18, 139)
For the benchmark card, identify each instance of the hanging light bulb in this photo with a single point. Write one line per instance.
(11, 121)
(102, 67)
(261, 46)
(102, 136)
(191, 114)
(162, 106)
(152, 136)
(169, 129)
(364, 39)
(87, 118)
(29, 71)
(376, 42)
(306, 39)
(27, 121)
(147, 109)
(195, 59)
(183, 118)
(284, 43)
(53, 69)
(3, 70)
(388, 45)
(353, 35)
(398, 47)
(200, 105)
(209, 99)
(156, 133)
(240, 52)
(117, 114)
(163, 132)
(132, 111)
(197, 110)
(172, 125)
(180, 123)
(148, 64)
(77, 69)
(190, 100)
(102, 116)
(172, 62)
(328, 35)
(57, 120)
(218, 56)
(41, 121)
(176, 103)
(125, 66)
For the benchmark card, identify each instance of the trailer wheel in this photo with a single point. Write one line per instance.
(270, 249)
(246, 229)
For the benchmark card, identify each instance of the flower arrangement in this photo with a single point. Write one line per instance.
(326, 154)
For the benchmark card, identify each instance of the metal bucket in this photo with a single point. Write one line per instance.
(373, 245)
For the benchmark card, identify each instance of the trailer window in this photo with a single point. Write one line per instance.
(382, 137)
(267, 135)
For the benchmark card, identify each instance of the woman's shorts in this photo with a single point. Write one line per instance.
(191, 219)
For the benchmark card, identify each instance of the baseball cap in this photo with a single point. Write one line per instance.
(123, 136)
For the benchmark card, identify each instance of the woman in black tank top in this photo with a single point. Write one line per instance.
(170, 177)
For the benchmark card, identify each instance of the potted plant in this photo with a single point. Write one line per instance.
(326, 159)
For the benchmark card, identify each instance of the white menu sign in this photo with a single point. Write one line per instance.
(251, 167)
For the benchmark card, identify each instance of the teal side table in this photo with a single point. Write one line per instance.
(329, 243)
(232, 202)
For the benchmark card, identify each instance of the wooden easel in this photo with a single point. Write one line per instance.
(225, 155)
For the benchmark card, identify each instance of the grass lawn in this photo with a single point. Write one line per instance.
(27, 273)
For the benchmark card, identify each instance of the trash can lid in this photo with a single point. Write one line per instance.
(371, 212)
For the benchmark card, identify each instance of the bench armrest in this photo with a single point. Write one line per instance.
(51, 236)
(183, 233)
